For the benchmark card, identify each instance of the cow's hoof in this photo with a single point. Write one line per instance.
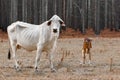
(17, 68)
(36, 70)
(53, 70)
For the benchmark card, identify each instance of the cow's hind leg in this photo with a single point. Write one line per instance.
(14, 49)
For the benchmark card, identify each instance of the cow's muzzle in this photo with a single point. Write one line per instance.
(55, 30)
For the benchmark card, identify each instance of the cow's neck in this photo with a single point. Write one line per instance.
(53, 36)
(48, 35)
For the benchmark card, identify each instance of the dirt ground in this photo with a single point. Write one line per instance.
(103, 49)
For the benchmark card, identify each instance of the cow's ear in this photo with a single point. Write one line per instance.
(62, 23)
(49, 23)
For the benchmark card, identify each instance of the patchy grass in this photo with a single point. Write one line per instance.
(67, 58)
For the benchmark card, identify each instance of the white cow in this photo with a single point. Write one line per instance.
(31, 37)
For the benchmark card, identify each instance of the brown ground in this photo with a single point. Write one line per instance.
(70, 33)
(70, 68)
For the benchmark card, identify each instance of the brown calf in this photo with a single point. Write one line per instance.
(86, 49)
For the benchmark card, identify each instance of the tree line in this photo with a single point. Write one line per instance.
(77, 14)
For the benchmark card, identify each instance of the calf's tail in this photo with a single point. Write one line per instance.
(9, 54)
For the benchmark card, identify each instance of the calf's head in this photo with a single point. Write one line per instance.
(55, 22)
(87, 43)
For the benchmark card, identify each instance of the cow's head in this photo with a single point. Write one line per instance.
(55, 22)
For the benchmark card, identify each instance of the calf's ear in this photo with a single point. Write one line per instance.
(49, 23)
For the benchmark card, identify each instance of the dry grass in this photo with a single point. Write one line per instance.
(67, 60)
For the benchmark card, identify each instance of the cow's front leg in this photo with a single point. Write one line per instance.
(37, 59)
(51, 61)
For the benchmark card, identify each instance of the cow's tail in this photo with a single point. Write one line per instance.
(9, 54)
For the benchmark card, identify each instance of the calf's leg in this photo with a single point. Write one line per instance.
(89, 58)
(88, 52)
(84, 56)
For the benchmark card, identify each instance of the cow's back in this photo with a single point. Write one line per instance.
(23, 34)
